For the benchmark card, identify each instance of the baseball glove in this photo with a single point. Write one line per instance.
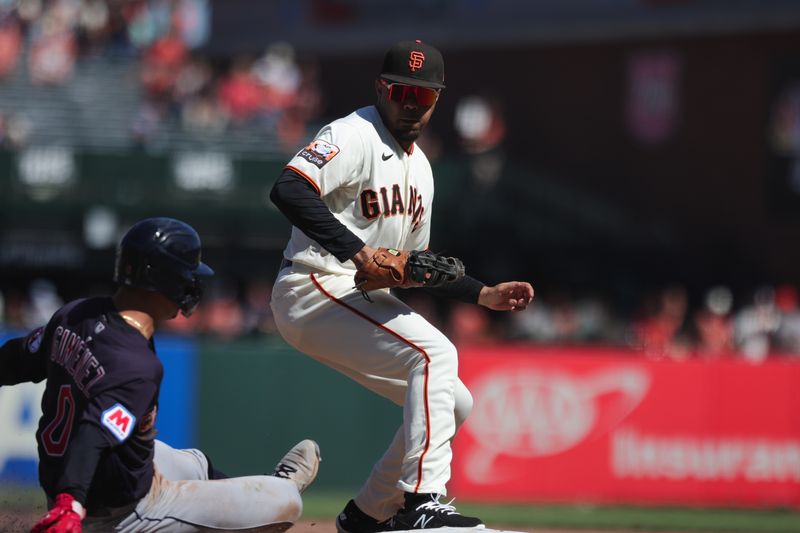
(433, 270)
(389, 268)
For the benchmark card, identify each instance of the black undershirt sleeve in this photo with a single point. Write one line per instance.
(80, 463)
(466, 289)
(301, 204)
(297, 199)
(18, 365)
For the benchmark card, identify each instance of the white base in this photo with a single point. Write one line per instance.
(459, 530)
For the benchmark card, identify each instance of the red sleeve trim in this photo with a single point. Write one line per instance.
(402, 339)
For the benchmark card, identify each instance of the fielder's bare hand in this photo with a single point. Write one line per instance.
(507, 296)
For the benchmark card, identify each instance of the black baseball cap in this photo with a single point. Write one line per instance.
(414, 63)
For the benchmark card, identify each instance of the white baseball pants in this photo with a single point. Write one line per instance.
(183, 500)
(393, 351)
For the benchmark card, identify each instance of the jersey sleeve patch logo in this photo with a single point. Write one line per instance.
(34, 340)
(319, 152)
(119, 421)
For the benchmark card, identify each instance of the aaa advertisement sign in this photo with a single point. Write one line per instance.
(589, 425)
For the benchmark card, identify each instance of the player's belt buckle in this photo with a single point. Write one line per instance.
(285, 263)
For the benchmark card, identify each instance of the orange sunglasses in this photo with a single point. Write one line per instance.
(400, 92)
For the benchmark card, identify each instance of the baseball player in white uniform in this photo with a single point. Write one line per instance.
(361, 184)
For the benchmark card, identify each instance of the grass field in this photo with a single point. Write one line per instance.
(324, 506)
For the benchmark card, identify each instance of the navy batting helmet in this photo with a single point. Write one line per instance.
(163, 255)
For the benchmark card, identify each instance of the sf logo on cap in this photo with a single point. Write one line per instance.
(415, 60)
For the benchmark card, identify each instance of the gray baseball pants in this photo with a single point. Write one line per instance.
(183, 500)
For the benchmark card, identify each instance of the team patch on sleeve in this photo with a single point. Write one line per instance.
(119, 421)
(319, 152)
(34, 340)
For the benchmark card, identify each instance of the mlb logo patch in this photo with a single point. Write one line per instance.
(119, 421)
(319, 152)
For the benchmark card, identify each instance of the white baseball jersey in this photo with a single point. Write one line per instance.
(370, 184)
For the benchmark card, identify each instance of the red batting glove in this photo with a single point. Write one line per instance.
(64, 517)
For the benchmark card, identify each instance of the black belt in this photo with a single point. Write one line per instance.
(285, 263)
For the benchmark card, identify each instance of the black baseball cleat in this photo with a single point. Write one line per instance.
(424, 511)
(354, 520)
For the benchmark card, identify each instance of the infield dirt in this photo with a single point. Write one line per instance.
(329, 526)
(15, 521)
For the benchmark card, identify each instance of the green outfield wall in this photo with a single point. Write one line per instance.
(257, 398)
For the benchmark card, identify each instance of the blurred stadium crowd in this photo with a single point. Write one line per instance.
(664, 324)
(178, 83)
(278, 94)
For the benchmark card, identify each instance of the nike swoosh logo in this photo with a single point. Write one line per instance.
(386, 157)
